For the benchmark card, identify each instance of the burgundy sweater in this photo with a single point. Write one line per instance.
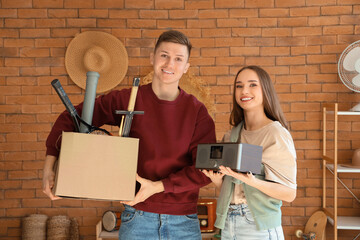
(169, 132)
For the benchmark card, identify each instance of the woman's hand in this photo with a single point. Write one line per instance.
(216, 177)
(272, 189)
(247, 178)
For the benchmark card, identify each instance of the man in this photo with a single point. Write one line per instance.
(173, 125)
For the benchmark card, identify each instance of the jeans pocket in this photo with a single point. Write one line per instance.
(192, 216)
(127, 216)
(249, 217)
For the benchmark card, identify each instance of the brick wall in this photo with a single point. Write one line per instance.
(297, 41)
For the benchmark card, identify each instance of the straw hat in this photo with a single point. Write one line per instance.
(192, 85)
(97, 52)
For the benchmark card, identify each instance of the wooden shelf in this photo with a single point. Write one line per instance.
(343, 169)
(345, 113)
(338, 222)
(346, 223)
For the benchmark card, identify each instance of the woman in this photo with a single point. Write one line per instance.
(249, 206)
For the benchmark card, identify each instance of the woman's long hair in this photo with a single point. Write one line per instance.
(271, 102)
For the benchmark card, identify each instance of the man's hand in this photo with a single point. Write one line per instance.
(49, 177)
(147, 189)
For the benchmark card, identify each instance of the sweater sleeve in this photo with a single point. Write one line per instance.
(190, 178)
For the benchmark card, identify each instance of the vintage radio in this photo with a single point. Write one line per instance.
(240, 157)
(207, 214)
(111, 220)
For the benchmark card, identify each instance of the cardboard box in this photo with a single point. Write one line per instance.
(96, 167)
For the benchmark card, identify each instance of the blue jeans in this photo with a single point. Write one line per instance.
(240, 225)
(140, 225)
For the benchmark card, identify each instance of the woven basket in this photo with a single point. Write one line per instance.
(74, 229)
(34, 227)
(58, 228)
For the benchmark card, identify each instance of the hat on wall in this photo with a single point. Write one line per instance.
(355, 161)
(98, 52)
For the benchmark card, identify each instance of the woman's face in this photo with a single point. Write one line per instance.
(248, 91)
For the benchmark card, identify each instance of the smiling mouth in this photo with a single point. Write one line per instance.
(245, 99)
(167, 71)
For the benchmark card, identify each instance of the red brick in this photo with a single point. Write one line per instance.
(315, 59)
(141, 23)
(305, 50)
(274, 51)
(23, 156)
(48, 4)
(32, 13)
(78, 4)
(10, 184)
(260, 42)
(323, 21)
(157, 14)
(202, 23)
(144, 4)
(165, 4)
(16, 4)
(19, 23)
(9, 33)
(232, 61)
(332, 30)
(259, 3)
(18, 81)
(20, 99)
(228, 4)
(9, 52)
(307, 31)
(63, 13)
(171, 24)
(9, 71)
(261, 61)
(6, 204)
(320, 2)
(305, 11)
(109, 4)
(19, 194)
(215, 52)
(206, 4)
(125, 14)
(94, 13)
(231, 23)
(293, 22)
(81, 22)
(246, 32)
(214, 70)
(262, 22)
(297, 60)
(50, 23)
(36, 203)
(18, 42)
(35, 71)
(19, 62)
(289, 3)
(315, 88)
(8, 13)
(213, 13)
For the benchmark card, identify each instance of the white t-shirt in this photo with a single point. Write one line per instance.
(279, 155)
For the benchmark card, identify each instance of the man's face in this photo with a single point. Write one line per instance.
(170, 62)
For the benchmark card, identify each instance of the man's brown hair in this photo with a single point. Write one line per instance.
(174, 37)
